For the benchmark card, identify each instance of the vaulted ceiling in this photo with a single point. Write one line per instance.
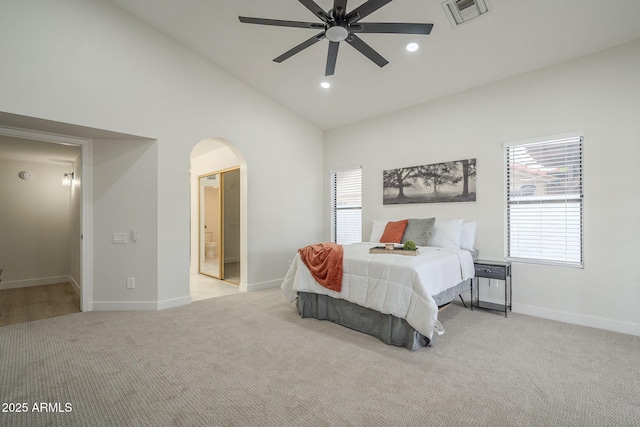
(514, 37)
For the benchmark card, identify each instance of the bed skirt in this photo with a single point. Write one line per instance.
(448, 295)
(386, 327)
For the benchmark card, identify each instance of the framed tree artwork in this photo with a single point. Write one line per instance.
(436, 183)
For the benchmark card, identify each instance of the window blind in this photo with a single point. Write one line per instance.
(347, 206)
(545, 201)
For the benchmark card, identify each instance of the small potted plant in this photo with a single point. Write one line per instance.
(409, 245)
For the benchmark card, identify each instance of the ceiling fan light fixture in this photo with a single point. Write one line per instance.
(412, 47)
(325, 85)
(337, 33)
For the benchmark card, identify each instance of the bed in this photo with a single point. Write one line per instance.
(392, 297)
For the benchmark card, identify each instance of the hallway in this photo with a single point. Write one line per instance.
(204, 287)
(20, 305)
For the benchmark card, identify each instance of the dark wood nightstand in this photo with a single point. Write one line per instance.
(492, 270)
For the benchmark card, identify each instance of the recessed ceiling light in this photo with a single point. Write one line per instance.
(325, 85)
(412, 47)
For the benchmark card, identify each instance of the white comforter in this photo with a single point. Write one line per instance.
(400, 285)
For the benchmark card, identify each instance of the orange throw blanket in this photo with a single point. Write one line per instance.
(324, 261)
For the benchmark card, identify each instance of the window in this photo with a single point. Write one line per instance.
(544, 201)
(347, 206)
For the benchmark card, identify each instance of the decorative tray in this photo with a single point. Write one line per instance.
(396, 251)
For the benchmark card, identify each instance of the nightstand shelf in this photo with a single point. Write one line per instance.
(492, 270)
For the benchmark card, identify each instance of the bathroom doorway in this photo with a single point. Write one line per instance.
(226, 246)
(219, 225)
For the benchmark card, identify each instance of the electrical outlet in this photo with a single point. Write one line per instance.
(131, 282)
(493, 283)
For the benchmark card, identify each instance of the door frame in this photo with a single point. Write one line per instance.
(86, 210)
(221, 172)
(201, 231)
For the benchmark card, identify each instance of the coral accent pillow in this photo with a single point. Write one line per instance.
(394, 231)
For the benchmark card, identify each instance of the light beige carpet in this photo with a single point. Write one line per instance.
(250, 360)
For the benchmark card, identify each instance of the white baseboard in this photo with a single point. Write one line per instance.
(175, 302)
(76, 286)
(125, 306)
(140, 305)
(580, 319)
(262, 285)
(26, 283)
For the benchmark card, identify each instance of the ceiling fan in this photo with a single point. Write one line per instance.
(337, 25)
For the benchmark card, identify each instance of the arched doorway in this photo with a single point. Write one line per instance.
(218, 219)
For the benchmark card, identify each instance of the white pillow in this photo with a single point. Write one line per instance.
(378, 229)
(446, 234)
(468, 235)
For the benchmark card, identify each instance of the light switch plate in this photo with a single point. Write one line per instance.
(119, 238)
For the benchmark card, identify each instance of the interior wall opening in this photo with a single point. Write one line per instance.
(216, 220)
(85, 139)
(40, 225)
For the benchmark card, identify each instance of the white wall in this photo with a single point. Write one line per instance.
(92, 64)
(34, 224)
(125, 196)
(597, 94)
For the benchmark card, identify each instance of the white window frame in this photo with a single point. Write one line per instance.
(572, 241)
(355, 235)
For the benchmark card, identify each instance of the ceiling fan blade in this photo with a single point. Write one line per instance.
(332, 57)
(317, 10)
(394, 28)
(366, 50)
(365, 9)
(305, 44)
(339, 9)
(280, 23)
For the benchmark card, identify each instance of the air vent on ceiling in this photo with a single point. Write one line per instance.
(461, 11)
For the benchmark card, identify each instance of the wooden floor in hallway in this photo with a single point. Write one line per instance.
(37, 302)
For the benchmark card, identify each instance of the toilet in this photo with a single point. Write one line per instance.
(210, 249)
(209, 246)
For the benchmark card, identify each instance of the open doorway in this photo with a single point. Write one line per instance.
(216, 212)
(40, 224)
(219, 225)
